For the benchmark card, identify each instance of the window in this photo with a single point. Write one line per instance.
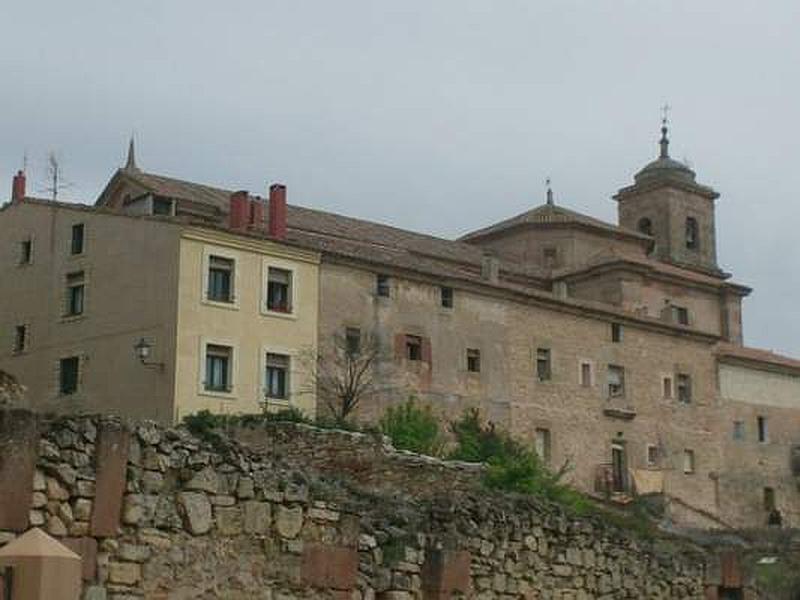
(220, 279)
(76, 245)
(543, 364)
(692, 234)
(616, 332)
(413, 347)
(680, 315)
(616, 381)
(20, 338)
(652, 455)
(277, 377)
(218, 368)
(586, 374)
(688, 461)
(738, 431)
(542, 443)
(279, 290)
(684, 386)
(666, 386)
(68, 375)
(769, 499)
(26, 252)
(473, 360)
(761, 423)
(162, 206)
(550, 255)
(382, 285)
(645, 226)
(76, 292)
(447, 297)
(352, 340)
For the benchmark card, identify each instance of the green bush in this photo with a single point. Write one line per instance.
(287, 415)
(413, 428)
(511, 465)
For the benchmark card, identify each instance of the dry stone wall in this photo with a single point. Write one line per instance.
(288, 511)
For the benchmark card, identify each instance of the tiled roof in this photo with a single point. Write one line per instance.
(552, 214)
(757, 355)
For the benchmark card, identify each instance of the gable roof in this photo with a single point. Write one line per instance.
(756, 357)
(551, 214)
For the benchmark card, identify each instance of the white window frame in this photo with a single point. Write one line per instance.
(648, 462)
(65, 294)
(233, 368)
(208, 252)
(285, 265)
(262, 373)
(590, 363)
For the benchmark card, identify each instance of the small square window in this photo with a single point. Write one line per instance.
(586, 374)
(761, 423)
(26, 252)
(68, 375)
(162, 206)
(616, 381)
(652, 455)
(616, 333)
(413, 347)
(20, 339)
(382, 287)
(218, 368)
(542, 444)
(76, 294)
(688, 461)
(352, 340)
(446, 297)
(684, 386)
(279, 290)
(220, 279)
(277, 376)
(473, 360)
(738, 431)
(543, 364)
(77, 241)
(680, 315)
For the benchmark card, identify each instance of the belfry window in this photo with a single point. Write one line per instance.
(692, 234)
(645, 226)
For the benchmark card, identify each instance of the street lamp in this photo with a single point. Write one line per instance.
(143, 349)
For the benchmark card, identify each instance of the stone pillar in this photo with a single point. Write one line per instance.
(18, 452)
(113, 444)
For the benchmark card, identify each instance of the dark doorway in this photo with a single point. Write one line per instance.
(619, 467)
(730, 593)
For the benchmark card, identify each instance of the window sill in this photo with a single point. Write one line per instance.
(218, 394)
(220, 304)
(276, 401)
(72, 318)
(279, 314)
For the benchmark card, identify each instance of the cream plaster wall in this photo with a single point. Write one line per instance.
(759, 387)
(245, 325)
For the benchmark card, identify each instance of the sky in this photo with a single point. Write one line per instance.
(440, 116)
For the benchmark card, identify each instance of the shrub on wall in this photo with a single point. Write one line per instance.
(414, 428)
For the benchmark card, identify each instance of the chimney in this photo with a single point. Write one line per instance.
(239, 210)
(18, 187)
(277, 211)
(257, 210)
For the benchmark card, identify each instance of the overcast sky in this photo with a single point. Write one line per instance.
(435, 115)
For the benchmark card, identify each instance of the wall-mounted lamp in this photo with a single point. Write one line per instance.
(143, 349)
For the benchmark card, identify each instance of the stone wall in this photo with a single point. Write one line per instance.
(288, 511)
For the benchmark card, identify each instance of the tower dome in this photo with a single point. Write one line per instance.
(665, 167)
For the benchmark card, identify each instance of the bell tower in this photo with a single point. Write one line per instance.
(667, 203)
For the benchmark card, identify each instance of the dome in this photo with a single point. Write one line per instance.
(665, 167)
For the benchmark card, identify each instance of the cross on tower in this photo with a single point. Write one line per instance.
(665, 114)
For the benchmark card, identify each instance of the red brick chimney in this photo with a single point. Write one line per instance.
(257, 211)
(18, 187)
(277, 211)
(239, 210)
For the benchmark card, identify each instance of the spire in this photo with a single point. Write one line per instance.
(550, 201)
(664, 143)
(130, 165)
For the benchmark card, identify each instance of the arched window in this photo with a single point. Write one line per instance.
(646, 226)
(692, 234)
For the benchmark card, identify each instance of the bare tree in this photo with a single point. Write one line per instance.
(11, 391)
(346, 372)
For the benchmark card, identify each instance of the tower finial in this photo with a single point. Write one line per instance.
(664, 143)
(550, 201)
(130, 164)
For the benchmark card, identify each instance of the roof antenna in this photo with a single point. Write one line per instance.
(550, 201)
(130, 164)
(664, 143)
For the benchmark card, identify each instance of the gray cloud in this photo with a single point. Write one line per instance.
(437, 116)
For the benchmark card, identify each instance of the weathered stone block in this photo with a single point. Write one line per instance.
(330, 567)
(124, 573)
(196, 511)
(229, 520)
(205, 480)
(289, 521)
(257, 516)
(446, 571)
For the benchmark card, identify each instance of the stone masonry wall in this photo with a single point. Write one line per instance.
(288, 511)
